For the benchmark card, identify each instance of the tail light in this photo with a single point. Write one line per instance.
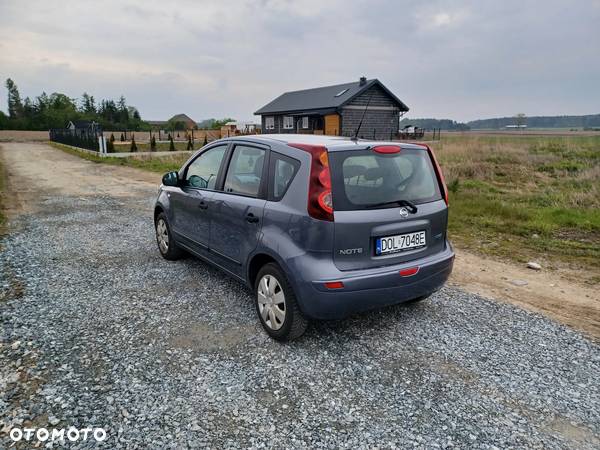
(440, 175)
(320, 201)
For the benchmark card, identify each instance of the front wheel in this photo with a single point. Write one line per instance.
(276, 305)
(166, 244)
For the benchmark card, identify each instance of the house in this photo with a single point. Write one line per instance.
(84, 127)
(189, 124)
(240, 127)
(336, 110)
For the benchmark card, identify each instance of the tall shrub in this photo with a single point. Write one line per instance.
(171, 144)
(153, 144)
(133, 147)
(122, 137)
(189, 144)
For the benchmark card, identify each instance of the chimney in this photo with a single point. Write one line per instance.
(362, 81)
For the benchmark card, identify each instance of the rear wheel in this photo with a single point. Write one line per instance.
(166, 244)
(276, 305)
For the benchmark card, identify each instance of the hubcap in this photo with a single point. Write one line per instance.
(271, 302)
(162, 235)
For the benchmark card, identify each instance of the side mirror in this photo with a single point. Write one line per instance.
(170, 179)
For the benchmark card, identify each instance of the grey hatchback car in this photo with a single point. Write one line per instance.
(318, 227)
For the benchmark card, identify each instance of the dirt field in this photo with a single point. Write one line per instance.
(34, 167)
(22, 136)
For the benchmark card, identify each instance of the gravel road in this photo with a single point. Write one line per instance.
(98, 330)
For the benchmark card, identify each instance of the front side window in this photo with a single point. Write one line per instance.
(270, 123)
(202, 172)
(288, 122)
(245, 171)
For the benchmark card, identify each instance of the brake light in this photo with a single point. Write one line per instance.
(387, 149)
(320, 200)
(438, 171)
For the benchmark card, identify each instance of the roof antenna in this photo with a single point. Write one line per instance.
(355, 138)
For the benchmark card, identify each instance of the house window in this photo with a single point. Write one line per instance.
(288, 122)
(270, 123)
(305, 122)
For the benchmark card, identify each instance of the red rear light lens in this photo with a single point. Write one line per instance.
(409, 272)
(387, 149)
(320, 201)
(334, 285)
(440, 175)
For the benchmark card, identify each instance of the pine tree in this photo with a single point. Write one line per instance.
(153, 144)
(15, 106)
(122, 138)
(171, 144)
(189, 145)
(112, 137)
(133, 146)
(205, 139)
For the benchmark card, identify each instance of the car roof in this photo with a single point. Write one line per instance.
(333, 143)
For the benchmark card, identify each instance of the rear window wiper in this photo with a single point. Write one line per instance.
(412, 208)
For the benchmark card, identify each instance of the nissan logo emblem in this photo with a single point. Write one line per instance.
(403, 212)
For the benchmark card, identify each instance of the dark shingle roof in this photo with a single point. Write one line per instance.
(82, 123)
(322, 98)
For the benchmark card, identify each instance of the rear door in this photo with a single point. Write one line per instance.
(367, 235)
(237, 211)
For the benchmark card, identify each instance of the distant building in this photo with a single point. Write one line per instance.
(189, 124)
(336, 110)
(515, 126)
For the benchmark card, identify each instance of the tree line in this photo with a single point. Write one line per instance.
(591, 121)
(56, 110)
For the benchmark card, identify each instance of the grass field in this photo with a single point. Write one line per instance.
(160, 146)
(516, 197)
(526, 197)
(160, 164)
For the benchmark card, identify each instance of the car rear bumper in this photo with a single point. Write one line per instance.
(374, 288)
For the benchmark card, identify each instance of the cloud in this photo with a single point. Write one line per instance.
(460, 59)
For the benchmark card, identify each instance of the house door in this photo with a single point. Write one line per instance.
(332, 124)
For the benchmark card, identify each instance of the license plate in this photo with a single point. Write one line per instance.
(400, 243)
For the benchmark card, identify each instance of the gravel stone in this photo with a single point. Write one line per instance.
(171, 354)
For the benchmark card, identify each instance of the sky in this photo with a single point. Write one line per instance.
(461, 60)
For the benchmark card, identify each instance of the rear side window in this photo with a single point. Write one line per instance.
(281, 173)
(362, 178)
(245, 171)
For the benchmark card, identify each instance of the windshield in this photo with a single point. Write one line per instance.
(362, 178)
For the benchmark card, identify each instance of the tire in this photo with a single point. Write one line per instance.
(282, 321)
(164, 239)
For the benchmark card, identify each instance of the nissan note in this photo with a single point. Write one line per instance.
(318, 227)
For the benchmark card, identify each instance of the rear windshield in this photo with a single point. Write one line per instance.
(362, 178)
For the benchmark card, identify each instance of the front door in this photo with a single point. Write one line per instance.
(237, 211)
(332, 124)
(191, 202)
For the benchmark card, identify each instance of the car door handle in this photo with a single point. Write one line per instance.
(251, 218)
(203, 205)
